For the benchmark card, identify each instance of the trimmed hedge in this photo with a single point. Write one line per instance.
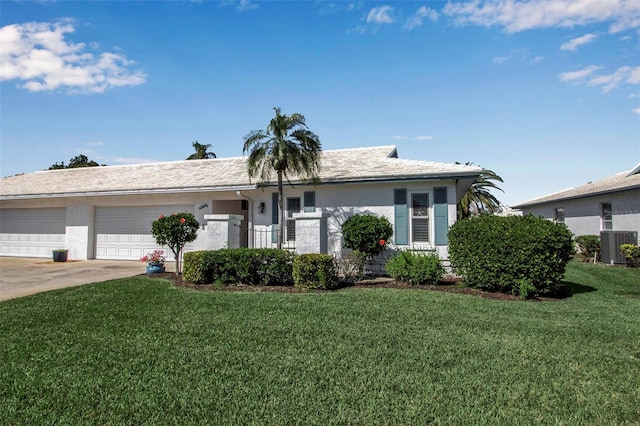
(523, 255)
(416, 268)
(242, 265)
(314, 271)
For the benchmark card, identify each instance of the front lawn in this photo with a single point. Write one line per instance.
(142, 351)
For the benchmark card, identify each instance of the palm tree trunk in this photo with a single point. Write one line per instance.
(280, 210)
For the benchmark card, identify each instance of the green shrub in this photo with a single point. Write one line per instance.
(241, 266)
(193, 270)
(367, 234)
(416, 268)
(631, 253)
(314, 271)
(588, 247)
(497, 253)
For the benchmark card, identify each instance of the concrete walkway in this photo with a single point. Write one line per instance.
(21, 276)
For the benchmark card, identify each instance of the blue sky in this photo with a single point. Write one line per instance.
(546, 93)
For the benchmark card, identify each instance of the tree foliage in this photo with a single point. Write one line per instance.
(202, 152)
(286, 147)
(367, 234)
(175, 231)
(76, 162)
(478, 199)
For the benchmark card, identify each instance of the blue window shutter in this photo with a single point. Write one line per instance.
(274, 217)
(309, 202)
(401, 224)
(441, 216)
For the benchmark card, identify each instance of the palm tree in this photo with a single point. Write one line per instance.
(201, 152)
(287, 147)
(478, 199)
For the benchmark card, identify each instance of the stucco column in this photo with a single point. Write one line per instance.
(79, 232)
(223, 231)
(311, 232)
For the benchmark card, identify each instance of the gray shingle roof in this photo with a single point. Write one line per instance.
(343, 165)
(620, 182)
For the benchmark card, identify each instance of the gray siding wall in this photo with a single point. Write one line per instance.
(583, 216)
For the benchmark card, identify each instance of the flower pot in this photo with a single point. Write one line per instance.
(60, 255)
(155, 268)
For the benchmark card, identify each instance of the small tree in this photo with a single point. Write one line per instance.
(76, 162)
(367, 234)
(175, 231)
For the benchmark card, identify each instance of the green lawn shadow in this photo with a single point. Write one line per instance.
(567, 289)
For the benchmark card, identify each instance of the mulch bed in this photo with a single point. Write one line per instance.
(449, 285)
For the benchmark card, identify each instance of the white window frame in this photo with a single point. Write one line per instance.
(428, 216)
(288, 217)
(559, 218)
(606, 224)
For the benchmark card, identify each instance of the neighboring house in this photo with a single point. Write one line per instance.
(106, 212)
(612, 204)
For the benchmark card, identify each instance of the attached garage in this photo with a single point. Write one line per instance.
(124, 233)
(32, 232)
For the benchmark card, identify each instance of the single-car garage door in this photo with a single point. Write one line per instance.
(32, 232)
(125, 232)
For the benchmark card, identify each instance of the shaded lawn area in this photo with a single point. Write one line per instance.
(142, 351)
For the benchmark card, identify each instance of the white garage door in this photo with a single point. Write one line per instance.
(32, 232)
(125, 232)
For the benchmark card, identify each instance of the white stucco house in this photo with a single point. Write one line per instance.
(610, 204)
(106, 212)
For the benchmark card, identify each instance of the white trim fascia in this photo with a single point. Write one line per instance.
(126, 192)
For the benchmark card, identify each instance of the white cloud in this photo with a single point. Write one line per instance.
(37, 54)
(515, 16)
(608, 82)
(424, 138)
(573, 44)
(417, 19)
(636, 111)
(522, 55)
(399, 137)
(623, 75)
(380, 15)
(578, 75)
(246, 5)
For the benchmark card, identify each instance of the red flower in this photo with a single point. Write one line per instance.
(383, 242)
(183, 220)
(160, 217)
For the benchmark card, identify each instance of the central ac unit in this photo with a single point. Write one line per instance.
(610, 242)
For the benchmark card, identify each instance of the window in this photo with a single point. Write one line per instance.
(420, 218)
(607, 217)
(559, 215)
(293, 206)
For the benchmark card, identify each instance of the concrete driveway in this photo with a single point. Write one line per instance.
(21, 276)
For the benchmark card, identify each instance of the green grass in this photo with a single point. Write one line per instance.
(140, 351)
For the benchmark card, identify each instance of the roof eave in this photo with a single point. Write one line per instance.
(127, 192)
(534, 203)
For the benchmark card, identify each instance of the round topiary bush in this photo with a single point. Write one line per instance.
(515, 254)
(367, 234)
